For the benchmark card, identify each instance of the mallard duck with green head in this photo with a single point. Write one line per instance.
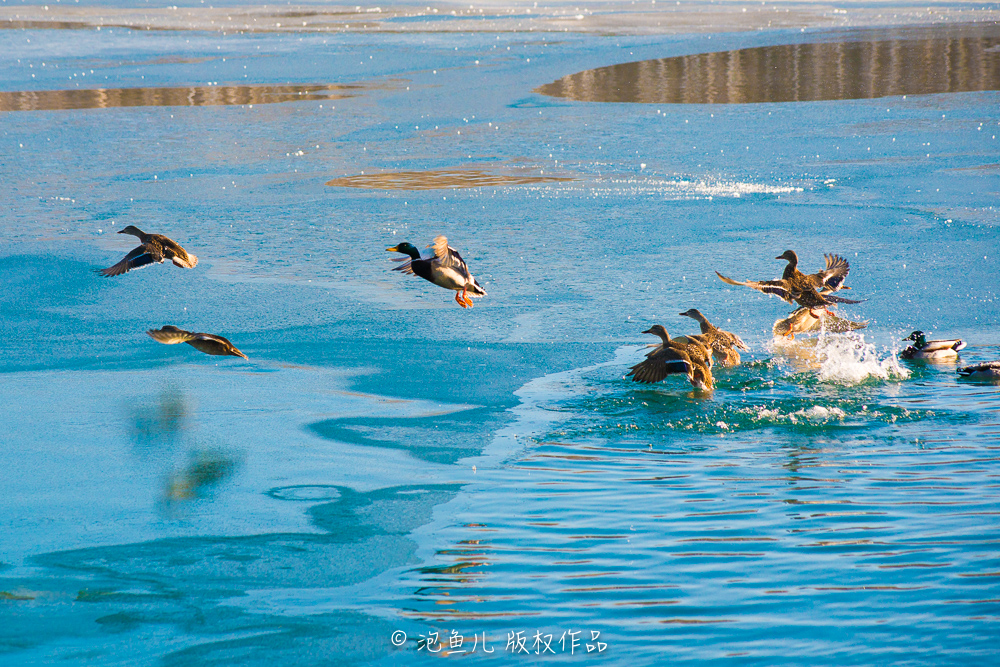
(724, 344)
(153, 248)
(931, 349)
(808, 291)
(672, 356)
(203, 342)
(443, 266)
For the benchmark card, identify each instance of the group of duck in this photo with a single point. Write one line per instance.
(692, 355)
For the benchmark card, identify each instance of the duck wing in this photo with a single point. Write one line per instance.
(833, 275)
(839, 299)
(136, 259)
(778, 288)
(406, 267)
(171, 335)
(734, 341)
(447, 256)
(175, 253)
(659, 365)
(937, 345)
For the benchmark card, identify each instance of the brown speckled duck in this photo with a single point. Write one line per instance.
(203, 342)
(673, 356)
(805, 320)
(808, 291)
(153, 248)
(723, 343)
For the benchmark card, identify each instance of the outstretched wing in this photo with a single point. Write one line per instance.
(776, 288)
(658, 366)
(406, 267)
(839, 299)
(171, 335)
(833, 276)
(136, 259)
(447, 256)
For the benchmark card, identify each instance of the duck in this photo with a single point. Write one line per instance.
(808, 291)
(805, 320)
(722, 343)
(672, 356)
(988, 370)
(931, 349)
(152, 248)
(443, 266)
(203, 342)
(830, 279)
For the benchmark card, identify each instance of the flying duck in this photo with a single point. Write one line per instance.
(444, 267)
(808, 291)
(673, 356)
(203, 342)
(153, 248)
(931, 349)
(723, 343)
(830, 279)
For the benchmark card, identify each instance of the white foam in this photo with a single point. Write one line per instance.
(846, 358)
(817, 413)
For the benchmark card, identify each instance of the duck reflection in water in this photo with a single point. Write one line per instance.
(206, 469)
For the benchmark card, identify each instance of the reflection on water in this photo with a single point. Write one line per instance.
(875, 67)
(165, 417)
(206, 469)
(439, 179)
(189, 96)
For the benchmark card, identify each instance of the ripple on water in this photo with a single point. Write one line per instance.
(809, 499)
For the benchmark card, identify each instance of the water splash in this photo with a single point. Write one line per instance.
(847, 359)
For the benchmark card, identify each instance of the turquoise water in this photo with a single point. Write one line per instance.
(386, 461)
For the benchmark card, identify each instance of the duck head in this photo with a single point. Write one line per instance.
(658, 330)
(132, 230)
(406, 249)
(918, 338)
(693, 313)
(789, 256)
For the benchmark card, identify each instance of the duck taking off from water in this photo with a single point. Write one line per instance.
(805, 320)
(153, 248)
(203, 342)
(830, 279)
(673, 357)
(723, 343)
(931, 349)
(443, 266)
(808, 291)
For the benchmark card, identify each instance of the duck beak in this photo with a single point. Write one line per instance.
(392, 249)
(648, 331)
